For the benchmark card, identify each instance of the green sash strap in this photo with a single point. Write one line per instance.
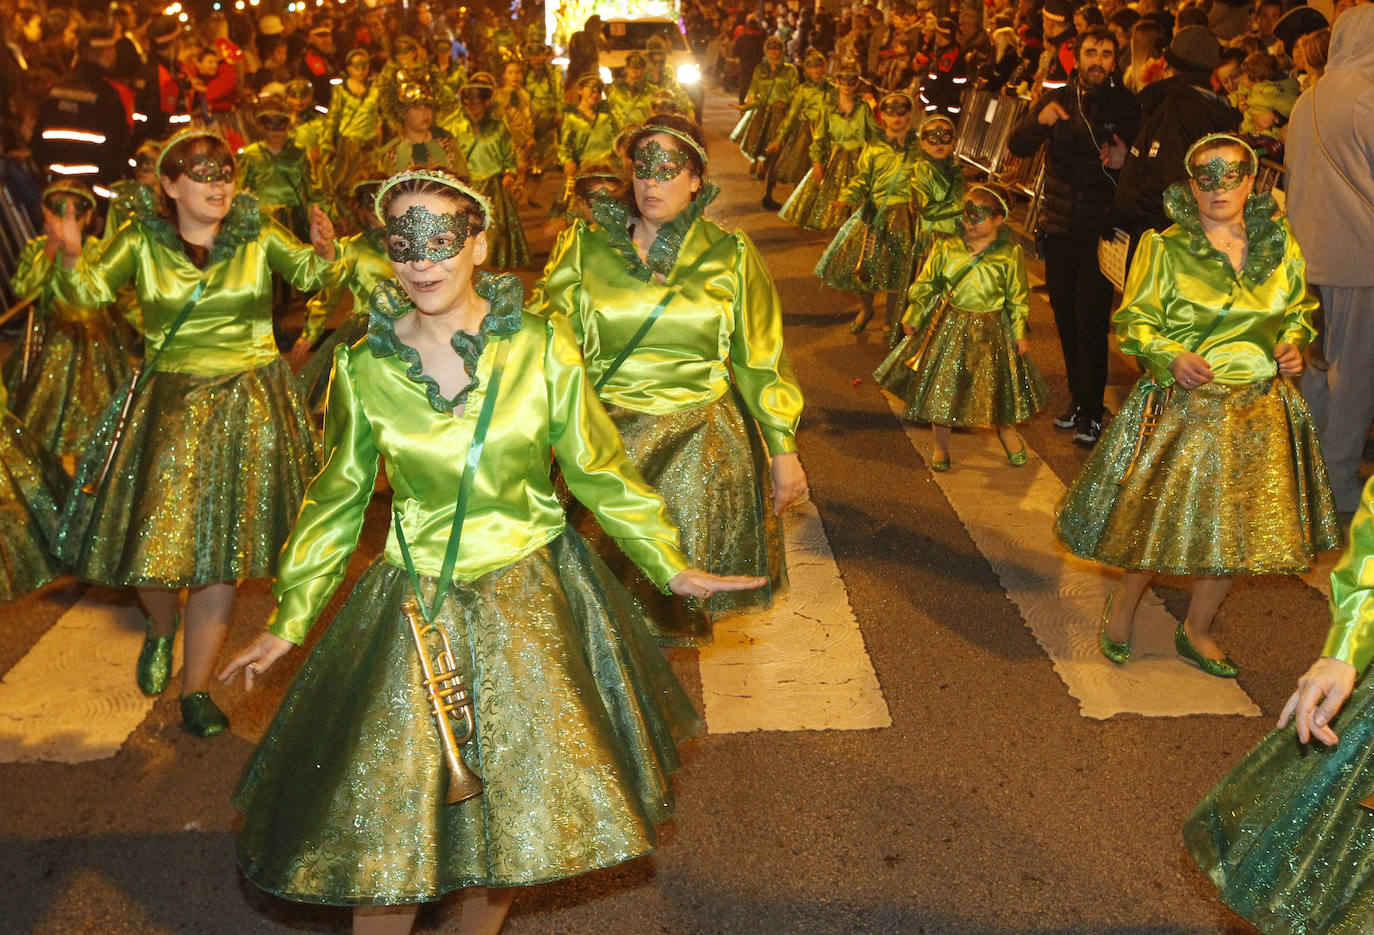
(455, 537)
(177, 322)
(648, 323)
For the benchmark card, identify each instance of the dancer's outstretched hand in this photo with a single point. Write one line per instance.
(256, 659)
(1321, 691)
(697, 583)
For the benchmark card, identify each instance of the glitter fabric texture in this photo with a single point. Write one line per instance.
(1232, 482)
(845, 266)
(710, 467)
(506, 245)
(839, 139)
(578, 717)
(204, 485)
(32, 490)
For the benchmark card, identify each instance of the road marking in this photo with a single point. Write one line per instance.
(72, 698)
(801, 665)
(1009, 513)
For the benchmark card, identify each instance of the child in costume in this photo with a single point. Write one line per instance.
(790, 155)
(874, 250)
(276, 170)
(587, 135)
(511, 103)
(353, 798)
(963, 361)
(937, 194)
(764, 108)
(494, 169)
(846, 126)
(629, 95)
(409, 107)
(83, 357)
(544, 85)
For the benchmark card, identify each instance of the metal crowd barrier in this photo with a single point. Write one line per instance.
(16, 229)
(985, 122)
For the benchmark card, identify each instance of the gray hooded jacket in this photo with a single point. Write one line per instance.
(1333, 223)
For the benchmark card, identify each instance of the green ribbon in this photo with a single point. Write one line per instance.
(177, 322)
(648, 323)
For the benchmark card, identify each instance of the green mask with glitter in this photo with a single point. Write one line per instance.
(974, 213)
(1218, 173)
(419, 229)
(205, 169)
(652, 161)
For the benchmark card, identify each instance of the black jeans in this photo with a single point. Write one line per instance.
(1081, 298)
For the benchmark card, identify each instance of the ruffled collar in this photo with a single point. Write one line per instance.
(389, 302)
(241, 225)
(614, 216)
(1265, 235)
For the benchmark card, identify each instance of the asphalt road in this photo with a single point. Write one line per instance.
(989, 807)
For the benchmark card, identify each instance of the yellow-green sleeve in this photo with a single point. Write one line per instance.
(860, 184)
(1017, 301)
(596, 468)
(98, 275)
(316, 555)
(820, 141)
(1302, 303)
(1140, 320)
(322, 304)
(557, 292)
(296, 262)
(1351, 637)
(925, 292)
(32, 270)
(764, 377)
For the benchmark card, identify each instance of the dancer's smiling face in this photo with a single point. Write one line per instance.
(433, 248)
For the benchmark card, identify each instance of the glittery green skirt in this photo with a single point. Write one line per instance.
(314, 376)
(794, 154)
(76, 370)
(811, 204)
(971, 374)
(759, 127)
(711, 468)
(845, 266)
(506, 247)
(33, 488)
(1232, 482)
(578, 720)
(204, 487)
(544, 152)
(1284, 837)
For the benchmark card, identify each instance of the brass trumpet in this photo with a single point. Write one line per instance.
(447, 694)
(1149, 420)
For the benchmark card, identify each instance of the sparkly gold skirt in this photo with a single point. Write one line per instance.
(314, 376)
(794, 154)
(204, 487)
(506, 246)
(845, 266)
(1232, 482)
(811, 205)
(711, 468)
(33, 488)
(578, 721)
(971, 374)
(77, 368)
(758, 128)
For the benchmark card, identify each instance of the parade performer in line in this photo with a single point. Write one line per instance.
(629, 95)
(494, 168)
(964, 359)
(1212, 468)
(658, 75)
(510, 102)
(197, 469)
(790, 154)
(682, 330)
(353, 796)
(937, 194)
(276, 170)
(362, 264)
(587, 135)
(544, 84)
(1287, 835)
(410, 108)
(765, 106)
(33, 488)
(874, 250)
(845, 127)
(354, 122)
(83, 357)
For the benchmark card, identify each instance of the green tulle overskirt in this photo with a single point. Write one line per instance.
(578, 720)
(33, 488)
(848, 266)
(811, 205)
(794, 154)
(759, 127)
(78, 367)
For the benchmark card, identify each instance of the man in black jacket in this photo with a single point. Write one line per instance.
(1085, 125)
(1179, 110)
(83, 127)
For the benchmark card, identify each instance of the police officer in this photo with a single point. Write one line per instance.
(83, 125)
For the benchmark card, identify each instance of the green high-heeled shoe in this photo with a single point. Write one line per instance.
(860, 321)
(154, 668)
(1222, 668)
(939, 467)
(1014, 458)
(201, 715)
(1117, 652)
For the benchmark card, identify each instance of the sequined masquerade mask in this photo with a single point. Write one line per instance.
(423, 235)
(274, 121)
(974, 213)
(57, 204)
(652, 161)
(937, 136)
(896, 106)
(209, 169)
(1219, 173)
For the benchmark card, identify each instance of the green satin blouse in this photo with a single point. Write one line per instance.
(808, 103)
(382, 405)
(280, 179)
(884, 172)
(584, 141)
(937, 193)
(1176, 299)
(33, 273)
(843, 131)
(767, 84)
(354, 117)
(487, 146)
(724, 317)
(628, 105)
(440, 149)
(985, 282)
(1351, 637)
(230, 328)
(362, 263)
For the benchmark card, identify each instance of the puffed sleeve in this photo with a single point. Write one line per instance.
(331, 518)
(764, 377)
(596, 468)
(32, 270)
(1017, 299)
(1351, 637)
(820, 142)
(323, 303)
(1297, 321)
(925, 292)
(1140, 320)
(97, 276)
(294, 261)
(559, 292)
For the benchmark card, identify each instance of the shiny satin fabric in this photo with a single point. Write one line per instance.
(629, 106)
(279, 180)
(995, 282)
(362, 263)
(401, 154)
(937, 196)
(230, 328)
(724, 315)
(883, 177)
(377, 408)
(1351, 638)
(805, 111)
(486, 145)
(584, 141)
(354, 117)
(1172, 297)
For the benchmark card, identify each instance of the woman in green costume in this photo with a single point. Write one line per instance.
(33, 488)
(1288, 835)
(668, 308)
(1212, 467)
(875, 249)
(468, 399)
(790, 154)
(765, 107)
(209, 453)
(846, 126)
(971, 368)
(544, 85)
(83, 357)
(587, 135)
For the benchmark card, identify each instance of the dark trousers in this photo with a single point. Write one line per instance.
(1081, 298)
